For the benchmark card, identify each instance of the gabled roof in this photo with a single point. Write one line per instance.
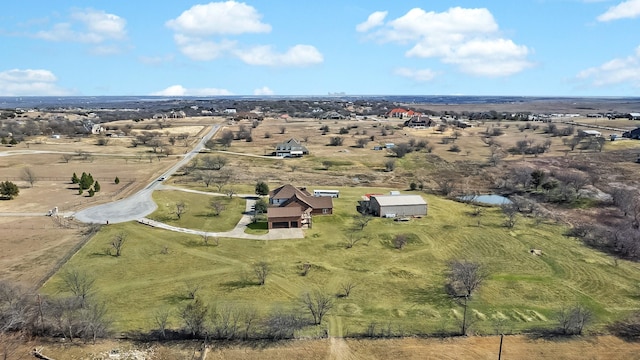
(287, 191)
(283, 212)
(314, 202)
(291, 144)
(395, 200)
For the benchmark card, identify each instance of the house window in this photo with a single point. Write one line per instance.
(325, 211)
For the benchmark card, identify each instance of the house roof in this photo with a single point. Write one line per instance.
(291, 145)
(399, 200)
(287, 191)
(283, 212)
(314, 202)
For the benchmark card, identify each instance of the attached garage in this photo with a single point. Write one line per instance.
(284, 217)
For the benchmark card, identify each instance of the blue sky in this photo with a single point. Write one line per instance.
(286, 47)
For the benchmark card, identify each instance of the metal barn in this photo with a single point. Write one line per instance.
(397, 205)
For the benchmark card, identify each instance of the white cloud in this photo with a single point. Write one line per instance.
(219, 18)
(87, 26)
(179, 90)
(198, 34)
(201, 49)
(466, 38)
(374, 20)
(263, 91)
(626, 9)
(614, 72)
(30, 82)
(423, 75)
(299, 55)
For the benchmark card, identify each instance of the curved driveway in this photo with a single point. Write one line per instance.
(139, 204)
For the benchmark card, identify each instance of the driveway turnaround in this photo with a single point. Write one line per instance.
(139, 204)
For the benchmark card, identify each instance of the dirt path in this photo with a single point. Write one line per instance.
(338, 347)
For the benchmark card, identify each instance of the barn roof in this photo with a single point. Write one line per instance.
(399, 200)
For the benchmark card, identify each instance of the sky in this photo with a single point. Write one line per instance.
(298, 48)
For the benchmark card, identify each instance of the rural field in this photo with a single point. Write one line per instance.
(396, 292)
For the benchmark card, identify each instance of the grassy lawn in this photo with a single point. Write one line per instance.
(403, 289)
(199, 214)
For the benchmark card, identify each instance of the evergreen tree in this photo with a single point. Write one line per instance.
(91, 192)
(117, 180)
(96, 186)
(262, 188)
(9, 190)
(74, 179)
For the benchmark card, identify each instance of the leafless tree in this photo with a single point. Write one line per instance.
(29, 176)
(180, 209)
(571, 321)
(362, 220)
(510, 210)
(161, 320)
(400, 240)
(353, 239)
(194, 316)
(216, 206)
(226, 138)
(207, 176)
(118, 242)
(446, 185)
(465, 277)
(318, 303)
(283, 129)
(80, 284)
(261, 269)
(66, 157)
(214, 162)
(347, 287)
(192, 288)
(222, 178)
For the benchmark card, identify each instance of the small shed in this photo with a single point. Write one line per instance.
(397, 205)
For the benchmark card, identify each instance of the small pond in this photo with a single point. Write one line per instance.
(491, 199)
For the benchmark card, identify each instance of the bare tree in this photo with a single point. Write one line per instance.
(207, 176)
(362, 220)
(465, 277)
(261, 269)
(192, 288)
(29, 176)
(446, 185)
(118, 242)
(390, 165)
(318, 304)
(180, 209)
(226, 138)
(571, 321)
(216, 206)
(347, 287)
(161, 320)
(222, 178)
(214, 162)
(400, 240)
(66, 157)
(352, 239)
(510, 210)
(80, 284)
(194, 316)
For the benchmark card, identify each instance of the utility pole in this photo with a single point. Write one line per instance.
(500, 352)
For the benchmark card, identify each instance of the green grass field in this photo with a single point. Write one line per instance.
(199, 215)
(400, 288)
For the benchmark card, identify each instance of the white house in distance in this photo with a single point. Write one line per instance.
(394, 205)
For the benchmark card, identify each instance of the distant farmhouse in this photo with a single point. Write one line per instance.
(633, 134)
(291, 207)
(290, 148)
(420, 122)
(402, 113)
(634, 116)
(394, 205)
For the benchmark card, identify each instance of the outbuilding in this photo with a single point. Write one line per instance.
(397, 205)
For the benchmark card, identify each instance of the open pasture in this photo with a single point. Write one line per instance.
(401, 290)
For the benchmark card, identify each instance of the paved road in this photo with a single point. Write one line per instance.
(140, 204)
